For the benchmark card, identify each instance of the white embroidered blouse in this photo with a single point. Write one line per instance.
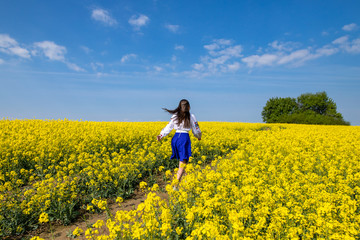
(194, 126)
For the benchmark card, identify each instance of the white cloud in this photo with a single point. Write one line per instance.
(212, 47)
(223, 54)
(296, 55)
(2, 61)
(86, 49)
(100, 74)
(173, 58)
(158, 69)
(74, 67)
(218, 44)
(138, 21)
(103, 16)
(219, 49)
(354, 46)
(350, 27)
(326, 51)
(21, 52)
(348, 46)
(179, 47)
(10, 46)
(220, 58)
(95, 66)
(172, 28)
(51, 50)
(263, 60)
(284, 46)
(198, 66)
(234, 66)
(127, 57)
(223, 42)
(6, 41)
(341, 40)
(55, 52)
(233, 51)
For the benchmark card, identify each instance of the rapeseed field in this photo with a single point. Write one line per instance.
(244, 181)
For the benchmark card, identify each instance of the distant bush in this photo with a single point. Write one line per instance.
(277, 107)
(310, 117)
(308, 108)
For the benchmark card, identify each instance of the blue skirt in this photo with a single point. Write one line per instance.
(181, 146)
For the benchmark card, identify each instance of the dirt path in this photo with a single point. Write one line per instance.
(61, 232)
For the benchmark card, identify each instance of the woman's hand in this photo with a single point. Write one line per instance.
(158, 137)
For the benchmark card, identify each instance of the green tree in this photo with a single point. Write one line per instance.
(308, 108)
(276, 107)
(319, 103)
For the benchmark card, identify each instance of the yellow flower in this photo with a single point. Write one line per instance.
(94, 201)
(102, 204)
(19, 229)
(165, 228)
(168, 174)
(89, 233)
(90, 208)
(155, 187)
(77, 231)
(98, 224)
(143, 185)
(36, 238)
(190, 217)
(179, 230)
(44, 217)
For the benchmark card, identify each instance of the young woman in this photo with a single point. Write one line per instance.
(183, 122)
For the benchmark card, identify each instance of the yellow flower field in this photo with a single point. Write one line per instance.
(245, 181)
(58, 167)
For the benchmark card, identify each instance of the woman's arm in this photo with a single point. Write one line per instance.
(166, 130)
(195, 127)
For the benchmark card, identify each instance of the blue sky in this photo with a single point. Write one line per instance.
(125, 60)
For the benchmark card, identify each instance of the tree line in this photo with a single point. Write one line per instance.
(308, 108)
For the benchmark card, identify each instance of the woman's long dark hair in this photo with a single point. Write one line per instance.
(182, 115)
